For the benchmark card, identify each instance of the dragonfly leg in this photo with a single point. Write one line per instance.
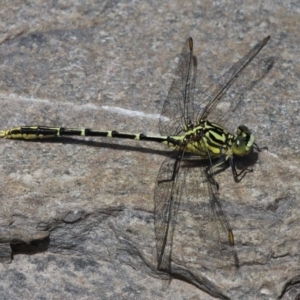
(256, 147)
(210, 170)
(238, 176)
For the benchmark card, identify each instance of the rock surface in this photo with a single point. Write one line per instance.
(77, 214)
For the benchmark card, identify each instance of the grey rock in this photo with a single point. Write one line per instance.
(77, 214)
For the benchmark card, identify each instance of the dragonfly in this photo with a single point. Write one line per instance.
(189, 133)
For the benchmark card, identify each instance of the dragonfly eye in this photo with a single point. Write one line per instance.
(243, 142)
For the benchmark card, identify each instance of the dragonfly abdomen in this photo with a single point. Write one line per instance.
(43, 132)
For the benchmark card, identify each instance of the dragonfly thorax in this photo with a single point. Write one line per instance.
(210, 139)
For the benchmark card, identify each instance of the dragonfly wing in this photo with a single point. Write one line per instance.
(178, 105)
(231, 111)
(203, 220)
(216, 91)
(221, 224)
(167, 196)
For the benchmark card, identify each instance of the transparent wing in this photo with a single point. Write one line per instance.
(211, 241)
(183, 181)
(168, 190)
(233, 110)
(216, 91)
(221, 223)
(178, 105)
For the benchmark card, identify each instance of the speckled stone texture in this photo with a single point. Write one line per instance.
(76, 219)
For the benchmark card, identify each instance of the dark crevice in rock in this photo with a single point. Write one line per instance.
(33, 247)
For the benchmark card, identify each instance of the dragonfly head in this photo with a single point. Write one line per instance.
(243, 142)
